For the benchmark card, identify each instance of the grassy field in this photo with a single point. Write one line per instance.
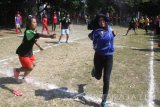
(67, 67)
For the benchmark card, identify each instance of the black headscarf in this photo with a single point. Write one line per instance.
(96, 21)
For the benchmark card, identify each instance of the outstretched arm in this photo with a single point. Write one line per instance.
(47, 36)
(39, 46)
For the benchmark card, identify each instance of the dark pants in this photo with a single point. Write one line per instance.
(146, 28)
(103, 63)
(53, 26)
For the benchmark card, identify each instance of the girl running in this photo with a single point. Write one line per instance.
(45, 23)
(25, 50)
(103, 44)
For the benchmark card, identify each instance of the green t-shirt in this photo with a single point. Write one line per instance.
(65, 22)
(25, 49)
(132, 21)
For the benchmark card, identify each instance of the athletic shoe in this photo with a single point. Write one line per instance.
(103, 104)
(17, 92)
(28, 79)
(124, 35)
(93, 72)
(16, 74)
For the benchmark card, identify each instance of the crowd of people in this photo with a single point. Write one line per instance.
(64, 23)
(145, 23)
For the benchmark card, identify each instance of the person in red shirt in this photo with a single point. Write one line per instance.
(54, 21)
(45, 23)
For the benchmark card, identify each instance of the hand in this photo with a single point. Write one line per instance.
(53, 36)
(41, 49)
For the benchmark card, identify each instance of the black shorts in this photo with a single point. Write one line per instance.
(131, 27)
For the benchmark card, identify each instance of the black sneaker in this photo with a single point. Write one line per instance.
(104, 104)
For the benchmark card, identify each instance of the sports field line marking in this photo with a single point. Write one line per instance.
(7, 37)
(49, 46)
(53, 90)
(70, 94)
(151, 90)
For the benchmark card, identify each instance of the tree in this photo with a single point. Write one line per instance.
(96, 6)
(150, 8)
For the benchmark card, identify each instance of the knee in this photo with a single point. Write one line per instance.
(97, 77)
(30, 68)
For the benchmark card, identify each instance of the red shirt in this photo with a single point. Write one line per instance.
(45, 21)
(54, 19)
(20, 18)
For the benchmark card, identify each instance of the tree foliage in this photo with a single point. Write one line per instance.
(95, 6)
(8, 8)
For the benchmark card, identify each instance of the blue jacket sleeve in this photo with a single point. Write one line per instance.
(95, 38)
(90, 35)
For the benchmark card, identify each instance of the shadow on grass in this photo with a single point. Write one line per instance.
(54, 42)
(64, 93)
(6, 88)
(157, 59)
(157, 102)
(7, 80)
(148, 50)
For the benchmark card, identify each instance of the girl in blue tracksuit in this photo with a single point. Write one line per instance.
(103, 44)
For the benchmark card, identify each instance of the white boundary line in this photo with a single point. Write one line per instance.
(151, 90)
(36, 51)
(50, 46)
(70, 94)
(7, 37)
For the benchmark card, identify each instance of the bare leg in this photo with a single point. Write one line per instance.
(25, 70)
(127, 32)
(46, 27)
(67, 37)
(20, 30)
(60, 38)
(135, 32)
(42, 28)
